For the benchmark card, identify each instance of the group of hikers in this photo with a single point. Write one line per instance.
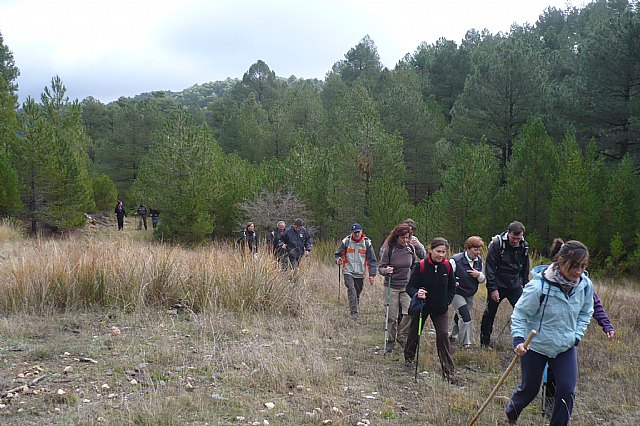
(558, 303)
(288, 244)
(142, 211)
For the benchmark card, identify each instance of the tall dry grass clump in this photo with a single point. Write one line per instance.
(10, 230)
(80, 273)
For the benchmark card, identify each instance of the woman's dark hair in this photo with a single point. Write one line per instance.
(400, 230)
(572, 251)
(438, 241)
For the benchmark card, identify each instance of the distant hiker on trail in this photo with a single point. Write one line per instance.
(600, 315)
(275, 241)
(468, 271)
(296, 241)
(120, 214)
(357, 257)
(558, 304)
(395, 265)
(419, 249)
(507, 271)
(248, 240)
(155, 217)
(142, 213)
(433, 282)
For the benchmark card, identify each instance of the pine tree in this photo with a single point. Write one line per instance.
(465, 203)
(180, 177)
(531, 172)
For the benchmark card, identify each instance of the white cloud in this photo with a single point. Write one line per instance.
(125, 47)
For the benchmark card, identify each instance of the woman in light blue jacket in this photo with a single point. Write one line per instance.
(558, 304)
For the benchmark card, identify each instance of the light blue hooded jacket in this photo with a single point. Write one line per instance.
(560, 321)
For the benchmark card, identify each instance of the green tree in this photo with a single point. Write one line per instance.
(9, 190)
(442, 68)
(180, 177)
(420, 125)
(132, 129)
(8, 99)
(105, 193)
(609, 76)
(505, 87)
(361, 62)
(51, 159)
(620, 204)
(572, 213)
(531, 172)
(463, 206)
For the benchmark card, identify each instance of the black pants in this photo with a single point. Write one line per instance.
(120, 221)
(486, 327)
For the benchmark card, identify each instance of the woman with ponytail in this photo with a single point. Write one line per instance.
(558, 304)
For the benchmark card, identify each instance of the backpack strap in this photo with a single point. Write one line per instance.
(446, 262)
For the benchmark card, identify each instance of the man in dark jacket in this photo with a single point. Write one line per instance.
(507, 271)
(142, 211)
(297, 243)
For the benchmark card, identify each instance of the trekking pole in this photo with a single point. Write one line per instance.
(532, 333)
(339, 268)
(503, 328)
(544, 388)
(415, 376)
(386, 317)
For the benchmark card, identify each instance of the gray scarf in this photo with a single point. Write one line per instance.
(553, 274)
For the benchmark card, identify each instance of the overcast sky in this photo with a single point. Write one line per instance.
(112, 48)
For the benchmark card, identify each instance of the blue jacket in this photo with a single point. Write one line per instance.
(559, 320)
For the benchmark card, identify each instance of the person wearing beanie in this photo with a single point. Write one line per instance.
(357, 258)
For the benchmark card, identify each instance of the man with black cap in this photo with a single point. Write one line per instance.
(297, 242)
(357, 256)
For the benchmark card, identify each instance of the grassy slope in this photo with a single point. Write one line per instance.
(221, 365)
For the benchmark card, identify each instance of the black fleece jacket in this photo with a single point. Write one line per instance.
(439, 282)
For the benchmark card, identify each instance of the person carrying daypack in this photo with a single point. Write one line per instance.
(507, 271)
(395, 266)
(558, 304)
(434, 283)
(357, 257)
(248, 240)
(141, 212)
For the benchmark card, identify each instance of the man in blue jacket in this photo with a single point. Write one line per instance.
(297, 243)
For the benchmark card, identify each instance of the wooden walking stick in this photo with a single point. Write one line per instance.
(532, 333)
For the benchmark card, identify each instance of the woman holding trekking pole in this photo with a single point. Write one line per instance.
(395, 265)
(558, 304)
(434, 282)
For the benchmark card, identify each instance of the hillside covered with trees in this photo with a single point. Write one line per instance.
(541, 125)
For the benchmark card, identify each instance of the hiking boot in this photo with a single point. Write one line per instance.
(389, 349)
(354, 316)
(408, 363)
(467, 346)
